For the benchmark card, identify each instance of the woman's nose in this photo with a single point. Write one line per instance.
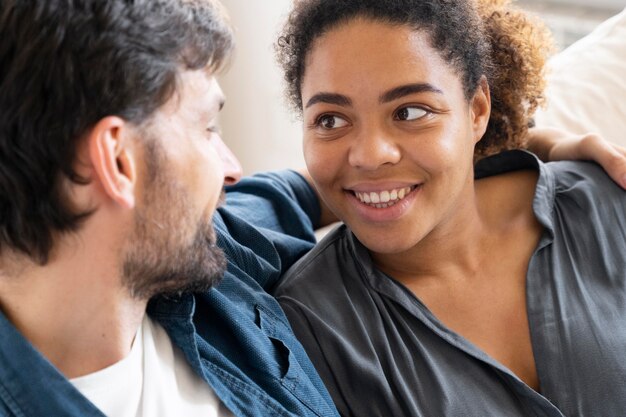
(372, 149)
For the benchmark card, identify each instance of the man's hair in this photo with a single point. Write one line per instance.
(66, 64)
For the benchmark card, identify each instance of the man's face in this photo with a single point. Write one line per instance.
(172, 246)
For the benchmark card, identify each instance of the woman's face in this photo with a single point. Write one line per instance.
(388, 133)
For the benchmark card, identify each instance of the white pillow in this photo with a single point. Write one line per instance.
(586, 90)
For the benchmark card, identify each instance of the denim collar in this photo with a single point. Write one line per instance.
(25, 374)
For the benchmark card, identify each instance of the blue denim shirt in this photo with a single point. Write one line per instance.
(235, 336)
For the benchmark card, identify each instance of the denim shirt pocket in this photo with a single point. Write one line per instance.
(291, 373)
(277, 331)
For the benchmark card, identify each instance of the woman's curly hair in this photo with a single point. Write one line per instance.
(476, 37)
(520, 45)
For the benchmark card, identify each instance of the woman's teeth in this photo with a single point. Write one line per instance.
(384, 199)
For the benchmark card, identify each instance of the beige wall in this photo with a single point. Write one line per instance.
(256, 123)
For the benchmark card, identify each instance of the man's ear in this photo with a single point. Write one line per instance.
(480, 109)
(113, 159)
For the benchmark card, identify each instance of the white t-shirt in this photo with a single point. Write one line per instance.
(154, 380)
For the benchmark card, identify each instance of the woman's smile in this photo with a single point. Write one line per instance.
(384, 205)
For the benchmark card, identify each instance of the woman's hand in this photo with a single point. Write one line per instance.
(555, 145)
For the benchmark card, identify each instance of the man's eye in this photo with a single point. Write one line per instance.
(329, 121)
(410, 113)
(213, 129)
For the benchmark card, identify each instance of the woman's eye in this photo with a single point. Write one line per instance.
(410, 113)
(329, 121)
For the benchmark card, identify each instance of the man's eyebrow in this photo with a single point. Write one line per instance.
(408, 89)
(330, 98)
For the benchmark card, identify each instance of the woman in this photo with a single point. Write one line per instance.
(452, 290)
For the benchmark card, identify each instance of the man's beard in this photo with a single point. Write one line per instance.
(167, 253)
(159, 265)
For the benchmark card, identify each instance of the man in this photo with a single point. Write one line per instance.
(111, 170)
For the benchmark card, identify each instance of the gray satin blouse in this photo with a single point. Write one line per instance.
(381, 352)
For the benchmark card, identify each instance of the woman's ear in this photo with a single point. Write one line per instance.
(480, 109)
(113, 159)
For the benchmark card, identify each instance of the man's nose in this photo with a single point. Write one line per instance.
(230, 163)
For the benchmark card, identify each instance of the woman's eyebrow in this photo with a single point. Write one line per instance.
(393, 94)
(407, 89)
(330, 98)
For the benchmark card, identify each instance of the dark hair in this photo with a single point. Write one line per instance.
(66, 64)
(482, 37)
